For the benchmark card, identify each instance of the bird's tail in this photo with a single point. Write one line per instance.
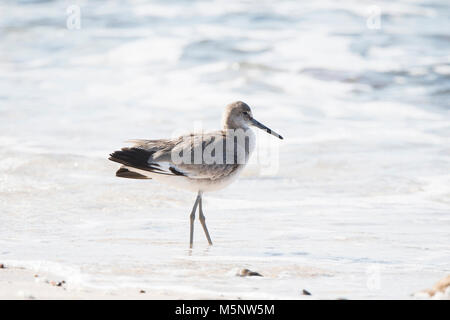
(132, 157)
(125, 173)
(135, 158)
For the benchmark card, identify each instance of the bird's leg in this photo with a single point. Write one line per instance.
(192, 217)
(202, 220)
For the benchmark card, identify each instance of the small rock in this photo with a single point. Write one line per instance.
(248, 273)
(56, 283)
(142, 291)
(306, 292)
(2, 266)
(36, 275)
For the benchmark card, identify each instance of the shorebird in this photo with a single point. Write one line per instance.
(199, 162)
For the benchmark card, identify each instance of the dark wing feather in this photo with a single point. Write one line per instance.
(136, 158)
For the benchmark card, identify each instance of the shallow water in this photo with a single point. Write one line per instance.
(356, 204)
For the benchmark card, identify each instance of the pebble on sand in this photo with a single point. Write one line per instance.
(2, 266)
(57, 283)
(306, 292)
(248, 273)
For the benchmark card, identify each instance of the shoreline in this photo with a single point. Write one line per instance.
(18, 283)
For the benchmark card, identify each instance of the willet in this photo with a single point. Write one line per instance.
(199, 162)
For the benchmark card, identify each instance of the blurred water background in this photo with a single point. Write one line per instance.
(359, 206)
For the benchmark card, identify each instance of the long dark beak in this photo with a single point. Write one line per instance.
(263, 127)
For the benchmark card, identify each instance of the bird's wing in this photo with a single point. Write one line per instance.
(195, 156)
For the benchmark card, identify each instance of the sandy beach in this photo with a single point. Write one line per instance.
(23, 284)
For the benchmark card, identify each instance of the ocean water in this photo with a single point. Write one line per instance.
(354, 202)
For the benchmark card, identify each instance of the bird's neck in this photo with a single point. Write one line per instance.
(233, 126)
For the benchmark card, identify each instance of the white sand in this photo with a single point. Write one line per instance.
(21, 283)
(18, 283)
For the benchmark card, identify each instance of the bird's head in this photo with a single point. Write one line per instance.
(238, 115)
